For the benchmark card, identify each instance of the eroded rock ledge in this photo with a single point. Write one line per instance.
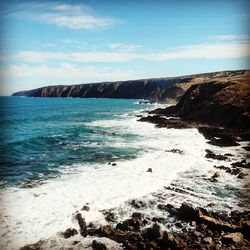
(198, 229)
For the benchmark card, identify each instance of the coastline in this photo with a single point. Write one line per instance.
(205, 207)
(181, 225)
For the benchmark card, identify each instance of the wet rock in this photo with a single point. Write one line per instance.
(137, 216)
(82, 225)
(208, 240)
(246, 229)
(154, 232)
(85, 208)
(232, 238)
(69, 233)
(193, 223)
(159, 219)
(135, 223)
(217, 224)
(106, 231)
(36, 246)
(216, 175)
(187, 211)
(169, 208)
(241, 175)
(241, 164)
(33, 183)
(179, 225)
(176, 151)
(114, 164)
(197, 234)
(110, 217)
(219, 137)
(150, 170)
(98, 245)
(212, 155)
(138, 204)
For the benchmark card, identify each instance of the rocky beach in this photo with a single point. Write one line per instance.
(172, 217)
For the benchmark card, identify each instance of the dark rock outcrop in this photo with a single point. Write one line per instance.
(224, 102)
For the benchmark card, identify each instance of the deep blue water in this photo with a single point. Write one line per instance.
(40, 135)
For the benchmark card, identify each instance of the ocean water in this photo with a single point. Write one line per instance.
(57, 155)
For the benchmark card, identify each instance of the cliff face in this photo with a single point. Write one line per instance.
(162, 90)
(223, 102)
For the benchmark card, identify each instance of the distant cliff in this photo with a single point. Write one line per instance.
(164, 90)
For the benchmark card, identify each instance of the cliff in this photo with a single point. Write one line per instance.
(164, 90)
(224, 102)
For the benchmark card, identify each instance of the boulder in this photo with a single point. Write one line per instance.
(82, 225)
(154, 232)
(150, 170)
(208, 240)
(85, 208)
(216, 175)
(232, 238)
(69, 233)
(187, 212)
(98, 245)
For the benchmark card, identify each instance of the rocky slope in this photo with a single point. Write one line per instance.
(164, 90)
(222, 101)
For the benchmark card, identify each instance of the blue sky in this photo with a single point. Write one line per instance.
(70, 42)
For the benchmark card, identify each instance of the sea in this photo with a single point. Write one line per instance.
(59, 154)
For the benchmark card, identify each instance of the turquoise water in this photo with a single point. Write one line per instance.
(40, 135)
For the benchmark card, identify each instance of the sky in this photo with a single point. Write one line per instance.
(73, 42)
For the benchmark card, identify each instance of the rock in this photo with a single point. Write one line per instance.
(114, 164)
(98, 245)
(212, 155)
(232, 238)
(193, 223)
(176, 151)
(82, 225)
(217, 224)
(137, 216)
(154, 232)
(138, 203)
(187, 212)
(208, 240)
(169, 208)
(150, 170)
(69, 232)
(246, 229)
(178, 224)
(110, 217)
(106, 231)
(241, 164)
(216, 175)
(197, 234)
(85, 208)
(36, 246)
(241, 175)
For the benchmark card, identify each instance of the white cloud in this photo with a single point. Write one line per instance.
(72, 16)
(82, 21)
(202, 51)
(230, 38)
(123, 47)
(67, 72)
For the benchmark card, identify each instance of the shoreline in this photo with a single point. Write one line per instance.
(183, 226)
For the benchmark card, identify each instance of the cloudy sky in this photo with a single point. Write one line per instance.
(71, 42)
